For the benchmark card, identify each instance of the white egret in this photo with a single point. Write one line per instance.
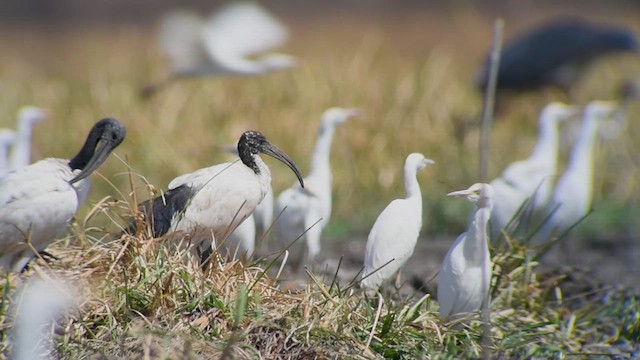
(465, 274)
(531, 178)
(572, 195)
(21, 151)
(310, 208)
(42, 301)
(7, 138)
(221, 45)
(395, 232)
(38, 201)
(208, 204)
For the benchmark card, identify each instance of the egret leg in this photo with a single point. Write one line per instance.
(398, 281)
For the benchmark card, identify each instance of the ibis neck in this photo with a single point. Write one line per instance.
(320, 160)
(478, 249)
(546, 149)
(264, 175)
(85, 154)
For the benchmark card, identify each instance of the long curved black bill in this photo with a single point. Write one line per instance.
(273, 151)
(103, 149)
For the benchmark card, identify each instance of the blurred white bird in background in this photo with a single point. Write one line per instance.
(531, 178)
(21, 151)
(41, 302)
(394, 235)
(222, 44)
(572, 195)
(310, 208)
(7, 138)
(465, 274)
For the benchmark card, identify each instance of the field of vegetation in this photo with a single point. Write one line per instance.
(141, 301)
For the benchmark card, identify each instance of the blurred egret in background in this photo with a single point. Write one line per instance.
(309, 209)
(7, 138)
(21, 150)
(531, 179)
(221, 44)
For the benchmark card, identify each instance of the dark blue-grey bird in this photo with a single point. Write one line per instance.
(556, 53)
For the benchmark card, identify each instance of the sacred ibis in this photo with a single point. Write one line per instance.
(572, 195)
(222, 44)
(309, 209)
(21, 151)
(556, 53)
(395, 232)
(530, 179)
(7, 138)
(205, 206)
(38, 201)
(465, 274)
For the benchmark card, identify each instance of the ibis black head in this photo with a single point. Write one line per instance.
(253, 143)
(105, 136)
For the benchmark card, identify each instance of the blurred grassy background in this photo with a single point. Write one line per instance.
(410, 69)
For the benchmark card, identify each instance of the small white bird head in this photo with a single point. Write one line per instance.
(480, 194)
(417, 161)
(7, 137)
(31, 115)
(557, 112)
(600, 110)
(338, 115)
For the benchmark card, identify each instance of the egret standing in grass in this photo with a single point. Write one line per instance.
(530, 179)
(309, 209)
(572, 195)
(395, 232)
(7, 138)
(465, 274)
(21, 151)
(38, 201)
(205, 206)
(221, 45)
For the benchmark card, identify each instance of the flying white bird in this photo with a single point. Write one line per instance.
(530, 179)
(7, 138)
(206, 205)
(38, 201)
(395, 232)
(310, 208)
(42, 301)
(465, 274)
(21, 151)
(572, 195)
(221, 45)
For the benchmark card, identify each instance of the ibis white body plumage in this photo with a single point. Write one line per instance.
(572, 195)
(465, 274)
(221, 44)
(394, 235)
(309, 209)
(38, 201)
(531, 178)
(208, 204)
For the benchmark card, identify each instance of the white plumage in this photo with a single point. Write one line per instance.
(221, 45)
(21, 151)
(395, 232)
(302, 208)
(208, 204)
(38, 201)
(571, 199)
(7, 138)
(531, 178)
(465, 274)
